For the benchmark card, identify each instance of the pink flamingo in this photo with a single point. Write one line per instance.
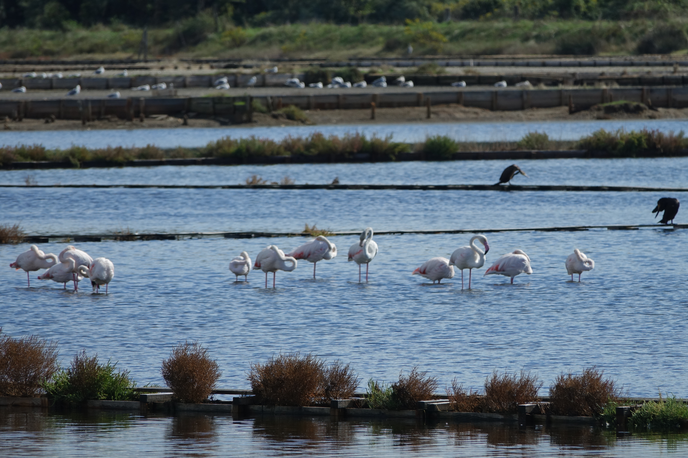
(62, 273)
(435, 269)
(100, 273)
(315, 250)
(241, 265)
(511, 264)
(32, 260)
(577, 263)
(470, 257)
(272, 259)
(364, 251)
(81, 258)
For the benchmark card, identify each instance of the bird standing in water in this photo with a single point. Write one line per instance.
(669, 206)
(509, 173)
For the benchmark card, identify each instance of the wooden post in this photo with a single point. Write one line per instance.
(622, 415)
(102, 109)
(523, 100)
(643, 95)
(130, 109)
(27, 109)
(60, 110)
(604, 95)
(670, 98)
(89, 115)
(310, 101)
(460, 98)
(82, 114)
(494, 100)
(142, 109)
(372, 110)
(249, 108)
(20, 111)
(419, 99)
(570, 103)
(561, 97)
(339, 101)
(428, 104)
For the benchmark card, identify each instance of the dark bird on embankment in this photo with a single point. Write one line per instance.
(509, 173)
(669, 206)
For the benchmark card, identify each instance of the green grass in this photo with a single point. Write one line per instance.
(663, 415)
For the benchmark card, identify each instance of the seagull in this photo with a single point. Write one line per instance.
(459, 84)
(29, 75)
(159, 86)
(271, 70)
(500, 84)
(380, 82)
(144, 87)
(222, 86)
(400, 80)
(19, 89)
(219, 81)
(525, 84)
(100, 70)
(114, 95)
(294, 82)
(509, 173)
(318, 85)
(407, 84)
(123, 73)
(360, 84)
(75, 91)
(252, 82)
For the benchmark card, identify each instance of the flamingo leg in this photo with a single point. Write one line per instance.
(245, 277)
(106, 288)
(274, 274)
(512, 280)
(579, 278)
(314, 270)
(359, 273)
(367, 272)
(266, 279)
(28, 279)
(571, 277)
(462, 279)
(64, 285)
(470, 272)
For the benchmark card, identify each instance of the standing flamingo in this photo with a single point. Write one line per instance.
(511, 264)
(272, 259)
(241, 265)
(364, 251)
(81, 258)
(32, 260)
(315, 250)
(435, 269)
(62, 273)
(101, 272)
(577, 263)
(470, 257)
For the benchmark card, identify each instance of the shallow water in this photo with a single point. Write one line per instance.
(411, 133)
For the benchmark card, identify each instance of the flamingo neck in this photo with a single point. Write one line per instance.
(475, 247)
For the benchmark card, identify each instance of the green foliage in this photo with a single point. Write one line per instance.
(440, 148)
(294, 113)
(235, 36)
(623, 143)
(426, 34)
(379, 396)
(86, 379)
(663, 415)
(534, 141)
(258, 107)
(664, 39)
(608, 415)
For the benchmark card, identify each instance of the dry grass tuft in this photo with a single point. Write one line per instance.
(287, 180)
(24, 364)
(582, 395)
(313, 231)
(288, 380)
(461, 400)
(415, 387)
(503, 393)
(125, 235)
(340, 381)
(30, 180)
(11, 234)
(255, 180)
(190, 373)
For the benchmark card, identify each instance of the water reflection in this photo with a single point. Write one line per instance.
(191, 434)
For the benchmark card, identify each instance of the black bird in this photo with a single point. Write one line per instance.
(509, 173)
(669, 206)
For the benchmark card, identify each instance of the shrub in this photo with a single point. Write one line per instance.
(585, 394)
(11, 234)
(294, 113)
(340, 382)
(25, 363)
(313, 231)
(255, 180)
(87, 379)
(440, 148)
(379, 396)
(289, 380)
(190, 373)
(461, 400)
(534, 141)
(662, 415)
(664, 39)
(409, 390)
(579, 43)
(503, 393)
(622, 143)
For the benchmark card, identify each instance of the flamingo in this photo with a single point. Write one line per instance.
(364, 251)
(670, 207)
(577, 263)
(509, 173)
(80, 257)
(470, 257)
(62, 273)
(32, 260)
(315, 250)
(511, 264)
(272, 259)
(101, 272)
(435, 269)
(241, 265)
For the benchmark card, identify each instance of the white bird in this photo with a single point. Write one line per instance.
(407, 84)
(222, 86)
(29, 75)
(123, 73)
(219, 81)
(241, 265)
(360, 84)
(62, 273)
(294, 82)
(81, 258)
(159, 86)
(526, 84)
(114, 95)
(318, 85)
(500, 84)
(271, 70)
(100, 273)
(435, 269)
(380, 82)
(338, 80)
(0, 85)
(364, 251)
(400, 80)
(100, 70)
(19, 89)
(252, 82)
(43, 75)
(577, 263)
(316, 250)
(470, 257)
(75, 91)
(74, 75)
(511, 264)
(143, 87)
(57, 75)
(459, 84)
(32, 260)
(272, 259)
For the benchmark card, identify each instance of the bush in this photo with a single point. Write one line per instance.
(288, 380)
(340, 382)
(379, 396)
(582, 395)
(461, 400)
(86, 379)
(11, 234)
(25, 363)
(409, 390)
(503, 393)
(664, 415)
(664, 39)
(190, 373)
(294, 113)
(534, 141)
(622, 143)
(584, 42)
(440, 148)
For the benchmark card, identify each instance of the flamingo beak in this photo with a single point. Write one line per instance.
(417, 271)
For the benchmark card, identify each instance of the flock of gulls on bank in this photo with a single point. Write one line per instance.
(74, 265)
(223, 83)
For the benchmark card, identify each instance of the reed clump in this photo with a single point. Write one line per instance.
(340, 381)
(412, 388)
(630, 143)
(87, 379)
(190, 373)
(584, 394)
(286, 180)
(125, 235)
(313, 231)
(537, 141)
(462, 400)
(11, 234)
(669, 414)
(439, 148)
(254, 180)
(379, 395)
(504, 392)
(25, 363)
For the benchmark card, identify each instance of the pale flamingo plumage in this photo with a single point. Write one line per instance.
(364, 251)
(511, 264)
(101, 272)
(577, 263)
(32, 260)
(272, 259)
(241, 265)
(315, 250)
(435, 269)
(81, 258)
(470, 257)
(62, 273)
